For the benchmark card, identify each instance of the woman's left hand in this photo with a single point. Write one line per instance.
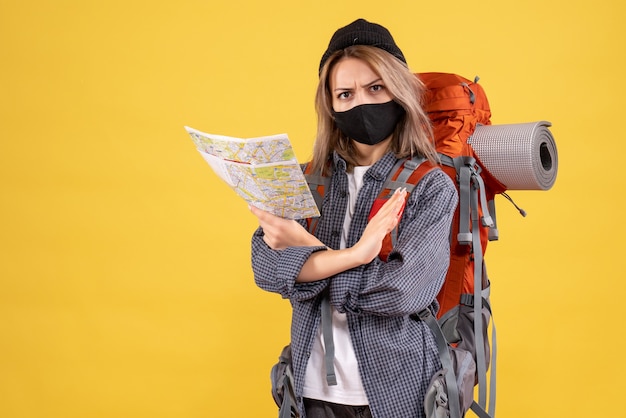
(280, 233)
(385, 220)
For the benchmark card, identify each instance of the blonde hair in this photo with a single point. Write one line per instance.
(413, 134)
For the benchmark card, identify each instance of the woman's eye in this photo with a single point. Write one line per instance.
(343, 95)
(377, 87)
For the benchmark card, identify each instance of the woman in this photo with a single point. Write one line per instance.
(369, 117)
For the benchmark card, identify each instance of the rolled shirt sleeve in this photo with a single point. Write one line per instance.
(276, 270)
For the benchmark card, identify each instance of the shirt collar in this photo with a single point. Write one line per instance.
(378, 171)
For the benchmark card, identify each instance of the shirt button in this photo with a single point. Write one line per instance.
(343, 194)
(335, 233)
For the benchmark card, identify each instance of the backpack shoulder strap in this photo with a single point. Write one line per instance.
(318, 184)
(406, 173)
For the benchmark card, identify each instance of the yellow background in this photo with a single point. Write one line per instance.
(125, 281)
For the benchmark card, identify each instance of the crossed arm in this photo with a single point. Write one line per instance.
(281, 233)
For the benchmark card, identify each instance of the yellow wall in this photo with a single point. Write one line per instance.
(125, 284)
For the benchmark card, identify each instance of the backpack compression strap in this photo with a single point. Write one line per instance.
(468, 177)
(479, 274)
(468, 300)
(318, 184)
(446, 362)
(329, 342)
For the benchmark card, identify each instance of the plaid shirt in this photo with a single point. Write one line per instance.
(397, 355)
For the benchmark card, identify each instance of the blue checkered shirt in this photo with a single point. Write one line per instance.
(397, 355)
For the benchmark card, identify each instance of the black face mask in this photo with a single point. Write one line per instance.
(369, 124)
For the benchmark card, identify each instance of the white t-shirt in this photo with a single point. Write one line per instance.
(349, 389)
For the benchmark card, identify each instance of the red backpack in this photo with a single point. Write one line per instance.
(455, 106)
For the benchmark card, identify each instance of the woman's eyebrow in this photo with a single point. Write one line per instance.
(371, 83)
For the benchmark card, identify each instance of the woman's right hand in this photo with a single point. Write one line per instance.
(279, 233)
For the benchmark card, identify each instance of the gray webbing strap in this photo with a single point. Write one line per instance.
(468, 300)
(492, 366)
(393, 234)
(485, 218)
(446, 160)
(465, 176)
(481, 365)
(494, 346)
(479, 279)
(478, 410)
(468, 175)
(409, 168)
(402, 181)
(493, 231)
(492, 377)
(329, 344)
(392, 185)
(315, 180)
(446, 362)
(289, 397)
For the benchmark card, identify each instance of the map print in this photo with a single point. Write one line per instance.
(263, 171)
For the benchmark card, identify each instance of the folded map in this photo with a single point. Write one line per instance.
(264, 171)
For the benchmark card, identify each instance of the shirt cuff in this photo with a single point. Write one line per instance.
(288, 268)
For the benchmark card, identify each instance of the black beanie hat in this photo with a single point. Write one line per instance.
(362, 32)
